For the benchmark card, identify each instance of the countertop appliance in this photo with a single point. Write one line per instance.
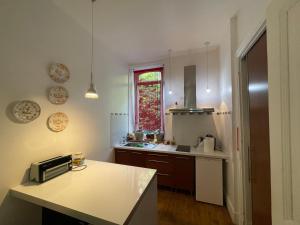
(48, 169)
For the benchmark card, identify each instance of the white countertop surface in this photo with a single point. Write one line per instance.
(171, 149)
(103, 193)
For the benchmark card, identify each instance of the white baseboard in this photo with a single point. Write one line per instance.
(290, 222)
(236, 216)
(231, 209)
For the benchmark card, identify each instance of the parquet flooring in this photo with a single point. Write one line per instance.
(182, 209)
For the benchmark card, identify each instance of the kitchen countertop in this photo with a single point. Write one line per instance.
(171, 149)
(103, 193)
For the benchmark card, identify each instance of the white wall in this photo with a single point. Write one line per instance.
(176, 80)
(243, 26)
(250, 15)
(187, 128)
(226, 121)
(35, 33)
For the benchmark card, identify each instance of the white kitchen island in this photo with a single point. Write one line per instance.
(102, 194)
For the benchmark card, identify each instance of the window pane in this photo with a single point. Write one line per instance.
(149, 107)
(150, 76)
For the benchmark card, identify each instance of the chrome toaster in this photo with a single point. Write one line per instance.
(48, 169)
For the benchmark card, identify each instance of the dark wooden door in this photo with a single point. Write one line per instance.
(257, 66)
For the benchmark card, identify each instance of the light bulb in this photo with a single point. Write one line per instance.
(91, 92)
(91, 95)
(170, 92)
(208, 90)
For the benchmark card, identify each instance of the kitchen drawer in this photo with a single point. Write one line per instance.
(159, 156)
(137, 158)
(160, 164)
(130, 157)
(122, 157)
(165, 179)
(163, 163)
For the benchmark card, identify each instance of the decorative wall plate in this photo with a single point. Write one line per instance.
(26, 111)
(58, 122)
(59, 72)
(58, 95)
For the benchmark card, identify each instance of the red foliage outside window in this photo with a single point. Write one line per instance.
(148, 99)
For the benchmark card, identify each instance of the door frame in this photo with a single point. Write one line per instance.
(244, 122)
(280, 119)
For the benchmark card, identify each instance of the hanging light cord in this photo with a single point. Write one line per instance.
(92, 43)
(207, 66)
(170, 69)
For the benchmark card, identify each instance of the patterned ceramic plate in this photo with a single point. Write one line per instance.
(58, 95)
(58, 122)
(26, 111)
(59, 72)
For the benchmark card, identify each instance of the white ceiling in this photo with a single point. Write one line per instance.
(144, 30)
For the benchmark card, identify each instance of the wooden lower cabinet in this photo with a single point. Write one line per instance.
(137, 158)
(122, 157)
(185, 172)
(173, 170)
(164, 165)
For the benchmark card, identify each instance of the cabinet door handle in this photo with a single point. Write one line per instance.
(136, 153)
(163, 174)
(182, 158)
(157, 161)
(121, 152)
(158, 155)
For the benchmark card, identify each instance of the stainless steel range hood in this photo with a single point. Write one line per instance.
(190, 96)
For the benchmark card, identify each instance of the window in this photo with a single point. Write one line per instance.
(148, 99)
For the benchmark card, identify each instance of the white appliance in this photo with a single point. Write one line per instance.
(209, 180)
(209, 144)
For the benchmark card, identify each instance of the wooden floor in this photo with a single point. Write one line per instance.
(181, 209)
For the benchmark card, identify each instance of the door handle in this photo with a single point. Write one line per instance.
(136, 153)
(163, 174)
(158, 155)
(249, 161)
(250, 178)
(121, 151)
(157, 161)
(185, 158)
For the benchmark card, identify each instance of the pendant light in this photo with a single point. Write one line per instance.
(170, 72)
(208, 90)
(92, 92)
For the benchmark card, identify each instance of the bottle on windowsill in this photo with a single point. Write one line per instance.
(173, 142)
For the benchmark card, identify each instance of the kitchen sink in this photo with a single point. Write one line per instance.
(140, 145)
